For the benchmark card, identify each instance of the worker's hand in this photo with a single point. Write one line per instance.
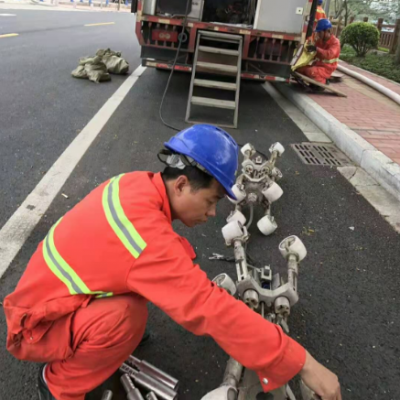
(311, 48)
(320, 380)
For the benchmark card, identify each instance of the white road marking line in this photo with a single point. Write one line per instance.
(101, 23)
(310, 130)
(8, 15)
(8, 35)
(17, 229)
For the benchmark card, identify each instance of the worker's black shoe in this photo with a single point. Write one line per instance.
(316, 88)
(44, 392)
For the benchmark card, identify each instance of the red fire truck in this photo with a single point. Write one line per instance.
(273, 32)
(227, 39)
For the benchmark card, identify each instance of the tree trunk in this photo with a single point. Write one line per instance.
(395, 43)
(397, 56)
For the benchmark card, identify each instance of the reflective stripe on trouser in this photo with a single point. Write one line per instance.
(118, 221)
(62, 270)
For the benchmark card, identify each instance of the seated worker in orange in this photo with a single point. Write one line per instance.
(80, 306)
(327, 47)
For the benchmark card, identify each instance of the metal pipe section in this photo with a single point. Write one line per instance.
(107, 395)
(151, 396)
(154, 372)
(293, 271)
(240, 259)
(149, 383)
(131, 391)
(233, 373)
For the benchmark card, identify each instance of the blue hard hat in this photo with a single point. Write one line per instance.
(323, 25)
(320, 2)
(212, 148)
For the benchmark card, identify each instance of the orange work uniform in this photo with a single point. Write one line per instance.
(320, 14)
(326, 60)
(80, 305)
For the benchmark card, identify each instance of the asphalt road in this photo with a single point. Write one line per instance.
(42, 108)
(347, 316)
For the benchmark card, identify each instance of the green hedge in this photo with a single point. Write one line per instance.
(361, 36)
(380, 64)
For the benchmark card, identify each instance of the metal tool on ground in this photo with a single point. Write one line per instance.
(107, 395)
(149, 383)
(257, 185)
(221, 257)
(132, 393)
(154, 372)
(219, 55)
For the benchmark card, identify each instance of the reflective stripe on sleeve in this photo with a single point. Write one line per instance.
(118, 220)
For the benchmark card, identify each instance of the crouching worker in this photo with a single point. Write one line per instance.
(80, 306)
(327, 48)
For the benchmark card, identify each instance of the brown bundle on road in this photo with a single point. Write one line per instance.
(98, 68)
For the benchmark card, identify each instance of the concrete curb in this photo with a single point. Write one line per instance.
(379, 166)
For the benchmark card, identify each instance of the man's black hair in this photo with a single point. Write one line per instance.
(197, 178)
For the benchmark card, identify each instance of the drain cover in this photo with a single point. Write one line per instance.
(320, 154)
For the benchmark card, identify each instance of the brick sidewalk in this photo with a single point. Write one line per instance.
(372, 115)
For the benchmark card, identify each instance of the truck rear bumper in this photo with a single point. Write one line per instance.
(188, 68)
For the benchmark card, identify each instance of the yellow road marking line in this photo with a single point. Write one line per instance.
(8, 35)
(101, 23)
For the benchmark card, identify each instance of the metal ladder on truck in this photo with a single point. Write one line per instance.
(219, 57)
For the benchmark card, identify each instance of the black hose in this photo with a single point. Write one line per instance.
(181, 36)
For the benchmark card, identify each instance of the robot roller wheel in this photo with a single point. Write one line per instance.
(293, 245)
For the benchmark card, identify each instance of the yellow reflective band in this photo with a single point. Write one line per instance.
(101, 294)
(331, 61)
(320, 11)
(118, 221)
(63, 271)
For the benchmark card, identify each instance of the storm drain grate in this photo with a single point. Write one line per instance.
(320, 154)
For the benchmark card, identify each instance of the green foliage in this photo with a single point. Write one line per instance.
(374, 9)
(361, 36)
(380, 64)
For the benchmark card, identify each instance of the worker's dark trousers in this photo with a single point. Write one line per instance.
(104, 334)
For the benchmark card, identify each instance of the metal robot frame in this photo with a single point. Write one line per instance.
(264, 292)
